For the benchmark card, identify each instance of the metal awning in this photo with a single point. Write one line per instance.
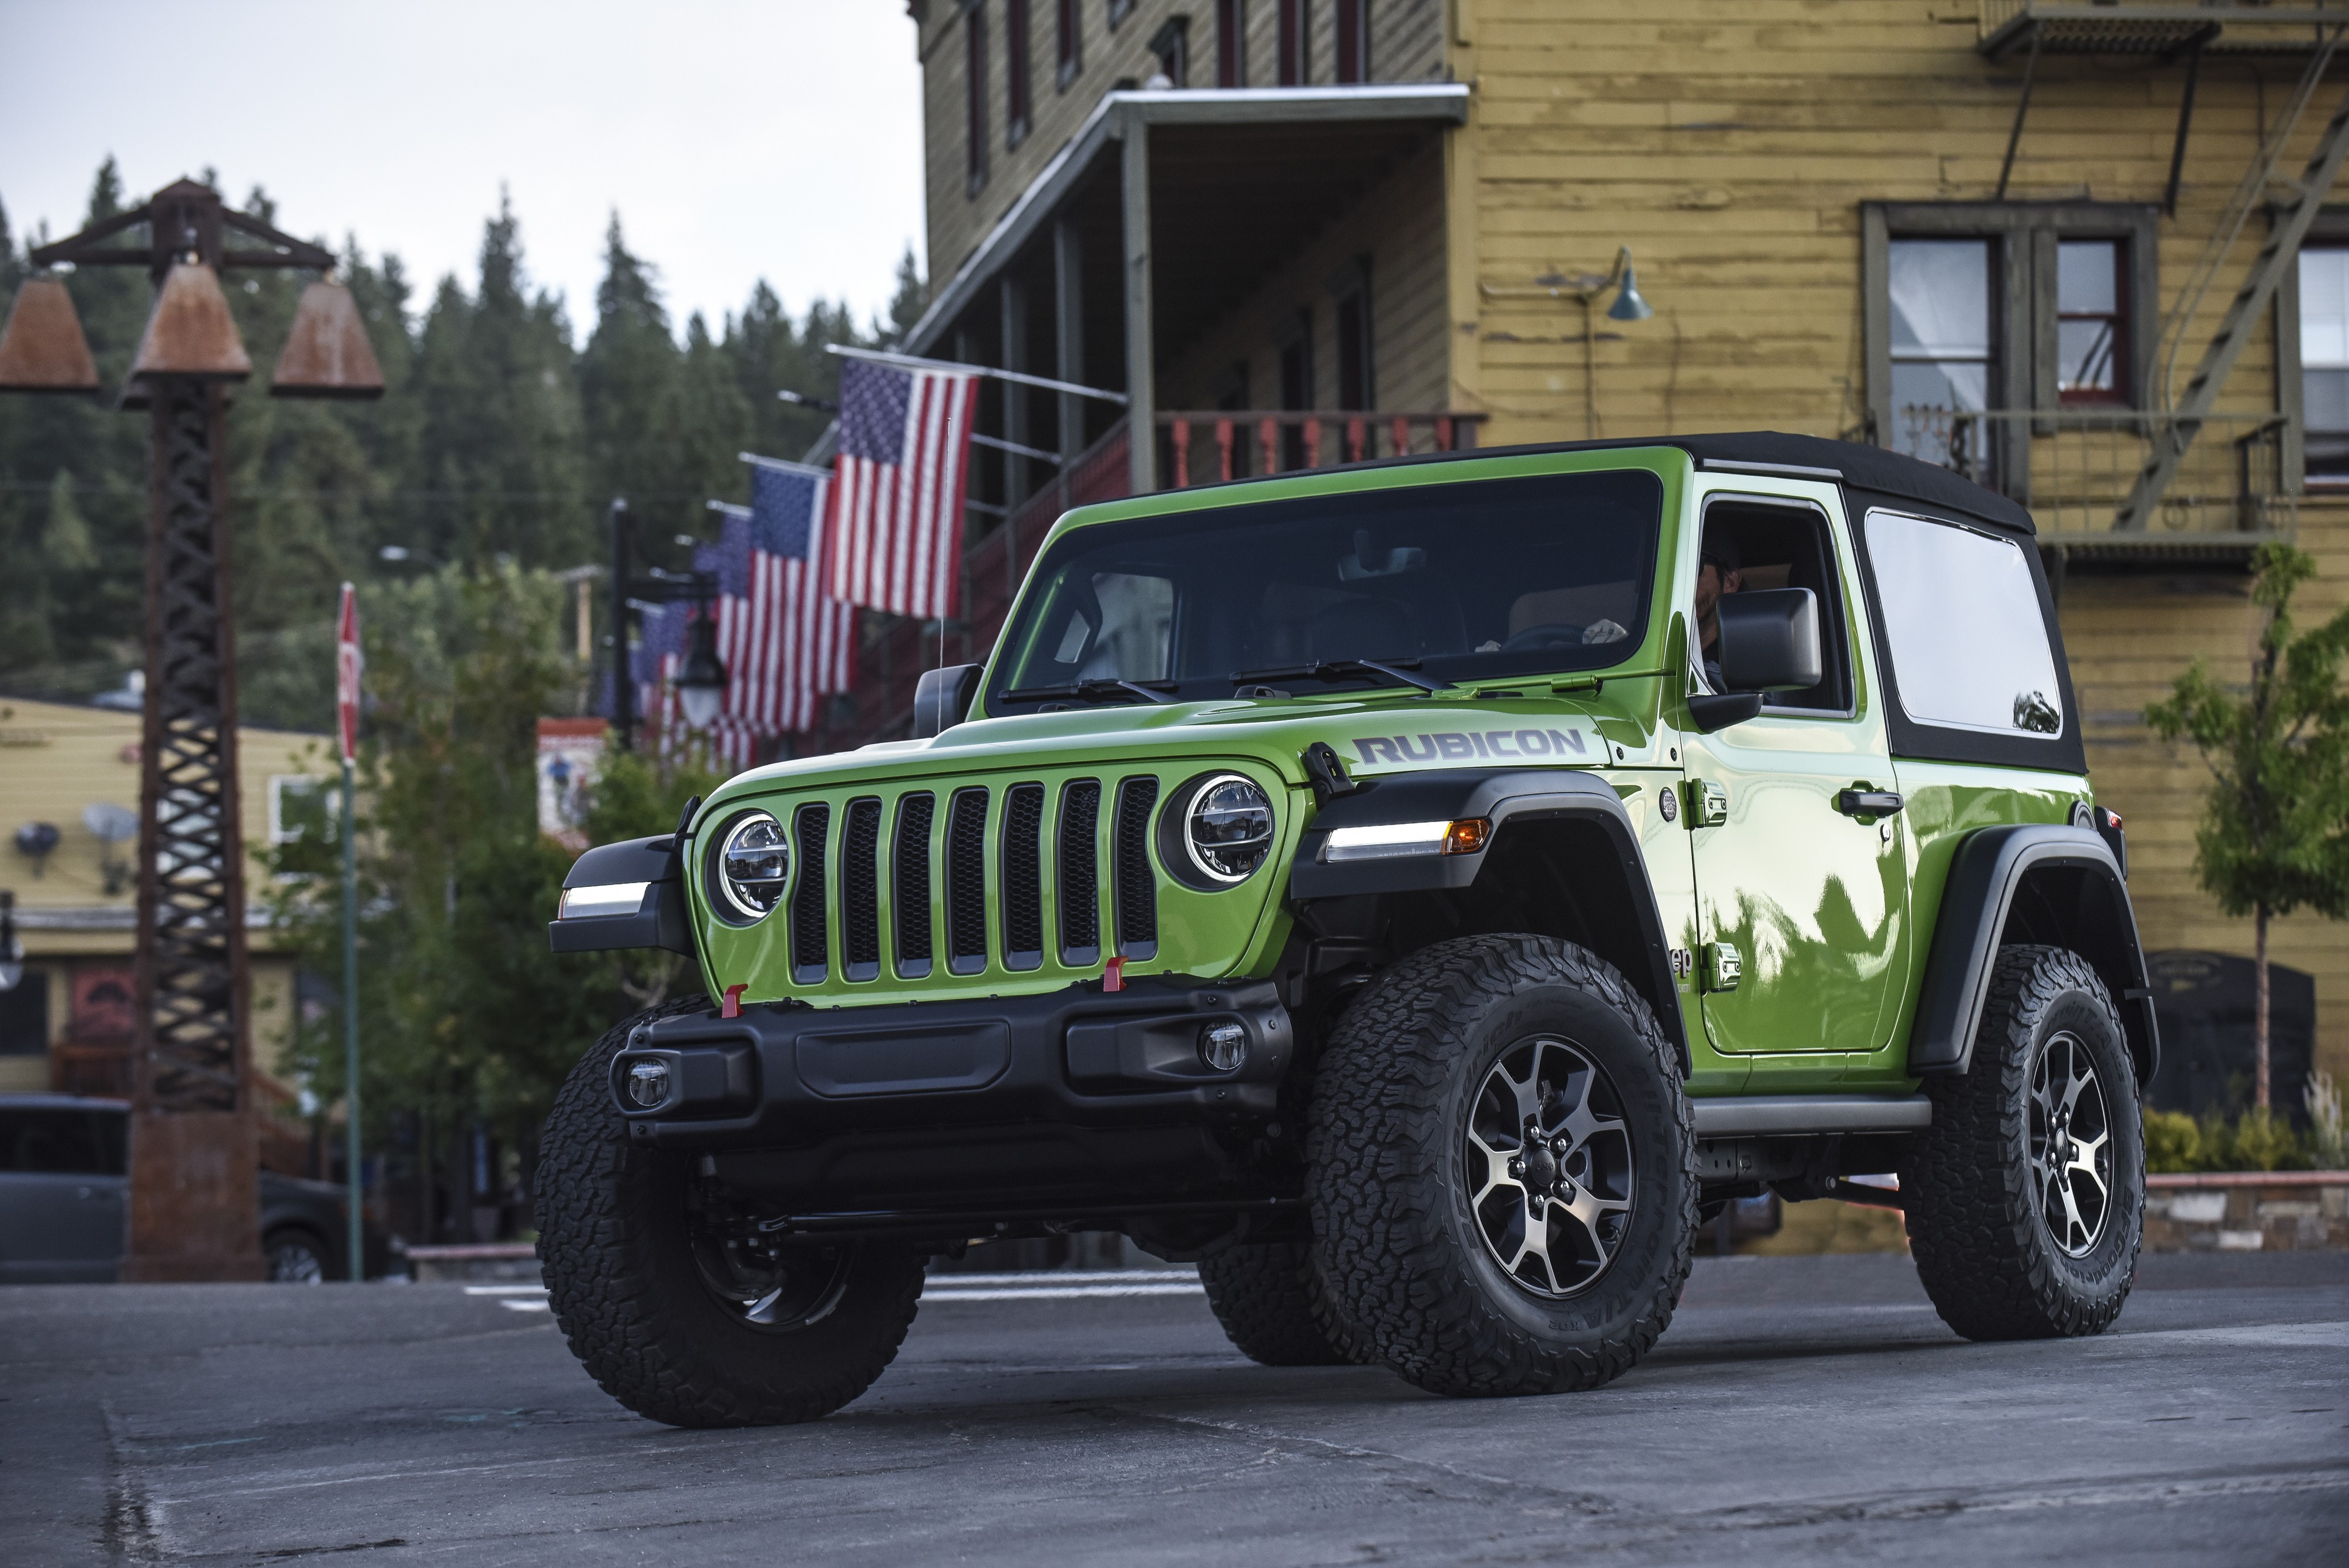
(1235, 128)
(2152, 27)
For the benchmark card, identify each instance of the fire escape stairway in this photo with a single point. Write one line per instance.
(2282, 251)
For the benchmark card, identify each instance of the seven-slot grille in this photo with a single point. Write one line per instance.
(931, 856)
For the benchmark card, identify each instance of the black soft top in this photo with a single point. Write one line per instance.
(1868, 468)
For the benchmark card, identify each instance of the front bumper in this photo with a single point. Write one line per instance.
(1079, 1096)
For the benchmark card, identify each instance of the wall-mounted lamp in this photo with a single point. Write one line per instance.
(1628, 305)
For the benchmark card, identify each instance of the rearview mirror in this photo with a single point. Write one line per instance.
(942, 698)
(1770, 641)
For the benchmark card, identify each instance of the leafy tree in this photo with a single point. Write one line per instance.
(2274, 834)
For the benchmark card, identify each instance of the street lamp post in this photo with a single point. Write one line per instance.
(701, 682)
(194, 1151)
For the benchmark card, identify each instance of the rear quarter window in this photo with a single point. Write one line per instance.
(1962, 628)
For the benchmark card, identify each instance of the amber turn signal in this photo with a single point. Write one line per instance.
(1468, 836)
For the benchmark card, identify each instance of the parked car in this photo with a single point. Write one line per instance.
(63, 1172)
(1420, 892)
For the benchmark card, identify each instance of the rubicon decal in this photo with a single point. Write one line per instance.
(1507, 745)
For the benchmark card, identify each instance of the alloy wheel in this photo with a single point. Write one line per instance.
(1548, 1161)
(2071, 1144)
(771, 1285)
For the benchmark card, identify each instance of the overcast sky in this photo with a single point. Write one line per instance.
(737, 140)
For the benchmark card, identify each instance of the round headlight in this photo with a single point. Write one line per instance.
(1229, 829)
(754, 862)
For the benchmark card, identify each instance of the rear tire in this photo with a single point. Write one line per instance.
(1273, 1308)
(1500, 1166)
(693, 1330)
(2025, 1199)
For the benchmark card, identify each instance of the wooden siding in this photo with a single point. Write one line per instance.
(1732, 149)
(1406, 46)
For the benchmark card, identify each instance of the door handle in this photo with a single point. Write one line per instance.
(1870, 802)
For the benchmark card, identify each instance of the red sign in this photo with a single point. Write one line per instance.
(346, 674)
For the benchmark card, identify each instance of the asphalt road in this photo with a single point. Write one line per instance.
(1801, 1409)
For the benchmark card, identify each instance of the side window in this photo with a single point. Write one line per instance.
(52, 1142)
(1750, 546)
(1963, 626)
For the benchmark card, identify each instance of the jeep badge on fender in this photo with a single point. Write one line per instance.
(1421, 893)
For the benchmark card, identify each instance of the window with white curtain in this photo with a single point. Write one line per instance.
(2324, 362)
(1943, 355)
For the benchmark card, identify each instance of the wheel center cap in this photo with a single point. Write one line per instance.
(1541, 1167)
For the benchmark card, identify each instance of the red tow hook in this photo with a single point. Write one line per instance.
(1113, 973)
(730, 1005)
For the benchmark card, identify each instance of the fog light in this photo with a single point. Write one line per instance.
(648, 1084)
(1223, 1046)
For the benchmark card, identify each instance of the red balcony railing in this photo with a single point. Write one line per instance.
(1206, 446)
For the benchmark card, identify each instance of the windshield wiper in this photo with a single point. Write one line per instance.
(1096, 691)
(1396, 671)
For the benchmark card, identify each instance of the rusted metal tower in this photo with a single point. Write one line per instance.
(193, 1150)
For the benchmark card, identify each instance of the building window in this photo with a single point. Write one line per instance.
(1988, 325)
(1119, 10)
(1353, 40)
(1172, 45)
(2325, 363)
(1295, 67)
(1017, 109)
(1943, 349)
(2091, 322)
(1231, 43)
(974, 28)
(1355, 383)
(1069, 26)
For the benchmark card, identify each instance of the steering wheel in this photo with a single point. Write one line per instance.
(1534, 638)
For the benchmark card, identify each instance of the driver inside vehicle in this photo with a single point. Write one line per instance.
(1720, 571)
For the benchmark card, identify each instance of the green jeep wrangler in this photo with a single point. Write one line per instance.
(1420, 892)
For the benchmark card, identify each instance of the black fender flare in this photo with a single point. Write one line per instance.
(661, 920)
(1994, 865)
(1500, 796)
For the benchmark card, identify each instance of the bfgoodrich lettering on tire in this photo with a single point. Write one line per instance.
(2025, 1199)
(1502, 1169)
(687, 1325)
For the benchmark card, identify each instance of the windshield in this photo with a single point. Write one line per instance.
(1423, 586)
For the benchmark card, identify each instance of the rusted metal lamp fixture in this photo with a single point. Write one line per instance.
(194, 1155)
(42, 348)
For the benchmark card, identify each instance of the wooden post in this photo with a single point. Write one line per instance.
(1142, 404)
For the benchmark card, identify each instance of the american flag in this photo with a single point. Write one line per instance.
(784, 640)
(905, 451)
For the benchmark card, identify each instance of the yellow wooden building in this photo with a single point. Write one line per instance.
(73, 769)
(2002, 235)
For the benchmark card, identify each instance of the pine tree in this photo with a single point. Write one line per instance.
(627, 379)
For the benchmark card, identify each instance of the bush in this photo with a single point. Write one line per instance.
(2256, 1140)
(2173, 1144)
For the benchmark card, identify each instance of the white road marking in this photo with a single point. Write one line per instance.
(1068, 1277)
(505, 1289)
(1064, 1292)
(513, 1306)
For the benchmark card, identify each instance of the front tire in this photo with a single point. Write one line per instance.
(2025, 1199)
(1502, 1169)
(695, 1328)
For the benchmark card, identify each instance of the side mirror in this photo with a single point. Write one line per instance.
(1770, 641)
(942, 698)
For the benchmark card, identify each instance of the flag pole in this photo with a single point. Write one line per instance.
(347, 727)
(914, 363)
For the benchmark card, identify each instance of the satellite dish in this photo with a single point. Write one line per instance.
(110, 824)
